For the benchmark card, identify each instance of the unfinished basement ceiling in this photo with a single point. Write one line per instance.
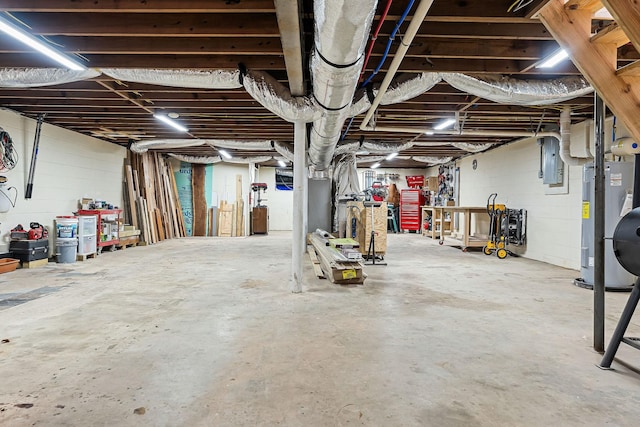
(474, 37)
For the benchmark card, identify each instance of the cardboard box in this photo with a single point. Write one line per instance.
(431, 183)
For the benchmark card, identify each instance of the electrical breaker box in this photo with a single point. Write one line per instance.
(552, 164)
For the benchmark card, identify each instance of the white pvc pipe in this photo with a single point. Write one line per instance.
(565, 141)
(407, 39)
(463, 132)
(299, 201)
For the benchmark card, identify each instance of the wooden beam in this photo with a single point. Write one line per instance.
(571, 28)
(154, 24)
(137, 6)
(288, 13)
(631, 70)
(627, 15)
(611, 34)
(590, 5)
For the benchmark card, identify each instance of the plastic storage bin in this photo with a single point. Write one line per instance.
(87, 245)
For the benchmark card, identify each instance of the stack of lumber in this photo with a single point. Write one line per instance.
(334, 265)
(151, 198)
(230, 220)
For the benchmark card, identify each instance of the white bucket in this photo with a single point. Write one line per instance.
(67, 227)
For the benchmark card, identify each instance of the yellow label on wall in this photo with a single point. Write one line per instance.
(586, 207)
(349, 274)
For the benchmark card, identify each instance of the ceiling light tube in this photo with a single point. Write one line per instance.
(170, 122)
(375, 165)
(282, 164)
(38, 45)
(224, 154)
(391, 156)
(429, 132)
(554, 59)
(444, 124)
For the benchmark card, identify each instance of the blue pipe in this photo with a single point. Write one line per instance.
(390, 42)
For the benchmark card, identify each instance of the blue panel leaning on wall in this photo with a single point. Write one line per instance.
(183, 181)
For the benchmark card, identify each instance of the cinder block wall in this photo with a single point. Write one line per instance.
(69, 166)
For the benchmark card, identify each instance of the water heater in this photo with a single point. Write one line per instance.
(618, 186)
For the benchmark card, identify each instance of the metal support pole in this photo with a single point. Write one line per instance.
(623, 323)
(598, 238)
(299, 200)
(34, 156)
(636, 182)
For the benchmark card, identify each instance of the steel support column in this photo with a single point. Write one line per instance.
(598, 209)
(299, 201)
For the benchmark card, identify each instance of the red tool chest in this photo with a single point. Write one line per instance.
(410, 209)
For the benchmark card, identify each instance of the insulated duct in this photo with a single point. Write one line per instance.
(471, 148)
(507, 90)
(405, 87)
(346, 183)
(276, 98)
(144, 146)
(432, 160)
(341, 33)
(201, 79)
(217, 159)
(37, 77)
(284, 149)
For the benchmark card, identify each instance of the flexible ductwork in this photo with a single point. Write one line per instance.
(349, 147)
(341, 32)
(406, 87)
(284, 149)
(278, 99)
(565, 140)
(201, 79)
(217, 159)
(345, 179)
(239, 145)
(432, 160)
(471, 148)
(144, 146)
(507, 90)
(36, 77)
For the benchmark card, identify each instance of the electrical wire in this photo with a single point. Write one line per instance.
(520, 4)
(8, 152)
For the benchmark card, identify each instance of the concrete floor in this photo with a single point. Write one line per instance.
(203, 332)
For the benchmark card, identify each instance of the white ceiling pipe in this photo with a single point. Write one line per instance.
(464, 132)
(565, 141)
(412, 30)
(341, 34)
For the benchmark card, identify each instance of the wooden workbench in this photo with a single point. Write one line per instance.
(461, 233)
(440, 225)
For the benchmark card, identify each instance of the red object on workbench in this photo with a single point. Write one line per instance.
(410, 209)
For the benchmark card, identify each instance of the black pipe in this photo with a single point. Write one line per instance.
(34, 155)
(623, 323)
(599, 226)
(636, 182)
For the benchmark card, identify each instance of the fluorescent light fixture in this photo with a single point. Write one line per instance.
(444, 124)
(282, 164)
(554, 59)
(391, 156)
(428, 132)
(170, 122)
(31, 41)
(224, 154)
(375, 165)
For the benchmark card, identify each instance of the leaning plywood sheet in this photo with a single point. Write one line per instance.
(225, 219)
(362, 216)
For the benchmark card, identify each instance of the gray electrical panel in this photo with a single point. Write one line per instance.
(552, 164)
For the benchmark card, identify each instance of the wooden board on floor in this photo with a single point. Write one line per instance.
(315, 262)
(199, 200)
